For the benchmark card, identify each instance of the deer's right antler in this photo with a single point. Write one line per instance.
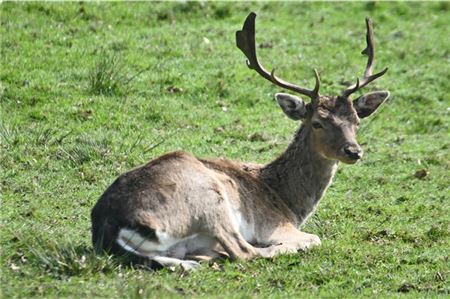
(245, 40)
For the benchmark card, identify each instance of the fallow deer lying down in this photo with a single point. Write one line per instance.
(179, 209)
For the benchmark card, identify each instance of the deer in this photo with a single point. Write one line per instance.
(179, 210)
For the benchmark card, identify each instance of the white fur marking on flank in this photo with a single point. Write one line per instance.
(132, 241)
(246, 229)
(127, 247)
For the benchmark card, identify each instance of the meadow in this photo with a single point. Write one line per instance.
(91, 90)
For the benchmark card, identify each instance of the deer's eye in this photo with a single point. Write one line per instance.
(317, 125)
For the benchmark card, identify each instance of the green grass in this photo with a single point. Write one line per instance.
(89, 91)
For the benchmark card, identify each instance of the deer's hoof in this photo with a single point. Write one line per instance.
(309, 241)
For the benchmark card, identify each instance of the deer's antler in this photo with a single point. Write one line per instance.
(370, 52)
(245, 40)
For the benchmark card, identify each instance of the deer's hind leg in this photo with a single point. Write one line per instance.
(161, 249)
(220, 222)
(225, 231)
(238, 248)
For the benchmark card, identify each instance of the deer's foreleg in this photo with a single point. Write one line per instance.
(288, 239)
(238, 248)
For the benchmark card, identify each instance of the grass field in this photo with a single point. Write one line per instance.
(89, 91)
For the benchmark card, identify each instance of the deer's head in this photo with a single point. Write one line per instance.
(333, 120)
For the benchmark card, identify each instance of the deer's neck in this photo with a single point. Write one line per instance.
(300, 175)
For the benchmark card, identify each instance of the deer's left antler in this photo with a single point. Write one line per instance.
(370, 52)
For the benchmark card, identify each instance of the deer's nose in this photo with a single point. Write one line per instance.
(353, 151)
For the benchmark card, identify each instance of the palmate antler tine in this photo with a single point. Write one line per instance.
(245, 40)
(370, 52)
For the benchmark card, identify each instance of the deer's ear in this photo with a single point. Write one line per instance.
(292, 106)
(366, 104)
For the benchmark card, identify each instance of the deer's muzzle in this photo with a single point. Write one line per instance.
(352, 152)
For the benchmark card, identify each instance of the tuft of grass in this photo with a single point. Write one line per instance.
(9, 135)
(85, 149)
(108, 77)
